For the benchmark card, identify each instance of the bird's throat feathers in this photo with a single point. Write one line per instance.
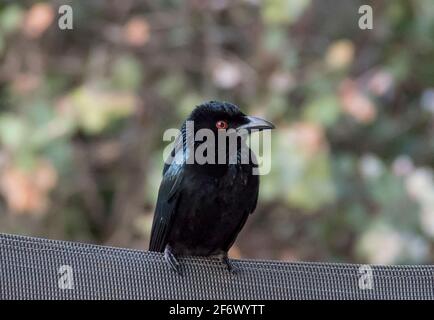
(210, 153)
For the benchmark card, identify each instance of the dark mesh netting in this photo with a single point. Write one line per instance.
(48, 269)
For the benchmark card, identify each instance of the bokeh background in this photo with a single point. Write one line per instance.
(83, 111)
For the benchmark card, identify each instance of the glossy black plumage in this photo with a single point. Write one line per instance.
(201, 208)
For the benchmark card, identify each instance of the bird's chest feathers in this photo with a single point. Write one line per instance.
(228, 186)
(219, 196)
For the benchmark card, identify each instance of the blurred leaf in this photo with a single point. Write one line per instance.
(97, 109)
(185, 103)
(423, 27)
(39, 113)
(399, 65)
(180, 36)
(277, 106)
(60, 154)
(340, 54)
(282, 11)
(2, 44)
(356, 103)
(137, 31)
(126, 73)
(38, 18)
(275, 39)
(26, 190)
(13, 131)
(57, 128)
(172, 86)
(11, 18)
(324, 110)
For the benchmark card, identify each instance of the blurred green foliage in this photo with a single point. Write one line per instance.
(82, 113)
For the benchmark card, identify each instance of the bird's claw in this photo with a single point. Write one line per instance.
(229, 265)
(171, 260)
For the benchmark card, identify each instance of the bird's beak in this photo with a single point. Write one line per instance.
(255, 123)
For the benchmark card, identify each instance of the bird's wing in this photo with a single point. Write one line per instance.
(254, 182)
(168, 199)
(250, 207)
(253, 185)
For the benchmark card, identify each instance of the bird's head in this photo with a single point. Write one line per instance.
(215, 115)
(219, 131)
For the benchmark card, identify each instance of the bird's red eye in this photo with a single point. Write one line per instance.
(221, 124)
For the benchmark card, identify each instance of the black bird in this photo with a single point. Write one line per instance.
(201, 208)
